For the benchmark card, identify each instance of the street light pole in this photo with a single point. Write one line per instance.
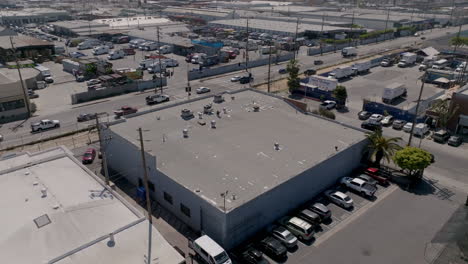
(417, 109)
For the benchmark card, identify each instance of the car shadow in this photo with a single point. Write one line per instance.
(293, 249)
(308, 242)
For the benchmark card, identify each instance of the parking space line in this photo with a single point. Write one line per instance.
(353, 216)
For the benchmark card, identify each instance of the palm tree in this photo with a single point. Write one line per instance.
(382, 147)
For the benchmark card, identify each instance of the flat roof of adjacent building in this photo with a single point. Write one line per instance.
(280, 26)
(376, 15)
(197, 11)
(12, 76)
(31, 12)
(54, 210)
(239, 155)
(22, 41)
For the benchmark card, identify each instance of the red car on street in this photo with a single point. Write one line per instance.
(89, 156)
(125, 110)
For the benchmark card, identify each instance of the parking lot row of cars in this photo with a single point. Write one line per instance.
(305, 224)
(377, 121)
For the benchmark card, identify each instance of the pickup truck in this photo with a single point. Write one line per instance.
(44, 124)
(156, 99)
(125, 110)
(359, 186)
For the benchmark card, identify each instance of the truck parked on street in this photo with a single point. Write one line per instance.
(407, 59)
(361, 67)
(392, 92)
(341, 73)
(349, 51)
(359, 186)
(44, 125)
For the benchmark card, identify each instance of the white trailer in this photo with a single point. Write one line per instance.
(349, 51)
(116, 54)
(323, 83)
(268, 49)
(407, 59)
(361, 67)
(393, 92)
(341, 73)
(45, 72)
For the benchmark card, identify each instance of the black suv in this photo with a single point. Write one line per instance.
(310, 72)
(371, 126)
(250, 255)
(245, 79)
(310, 217)
(273, 248)
(321, 210)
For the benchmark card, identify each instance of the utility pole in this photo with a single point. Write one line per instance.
(417, 109)
(321, 34)
(103, 150)
(26, 99)
(451, 12)
(159, 61)
(386, 25)
(295, 39)
(351, 29)
(148, 201)
(458, 37)
(247, 48)
(269, 69)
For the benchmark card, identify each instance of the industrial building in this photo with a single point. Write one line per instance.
(55, 210)
(242, 161)
(458, 123)
(204, 14)
(26, 47)
(284, 28)
(32, 15)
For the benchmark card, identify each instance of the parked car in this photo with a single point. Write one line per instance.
(89, 156)
(455, 141)
(339, 199)
(298, 227)
(250, 255)
(368, 179)
(377, 175)
(272, 248)
(328, 105)
(309, 216)
(407, 127)
(387, 120)
(310, 72)
(85, 117)
(203, 90)
(125, 110)
(375, 118)
(318, 62)
(282, 71)
(398, 124)
(359, 185)
(44, 124)
(371, 126)
(49, 79)
(93, 82)
(32, 94)
(77, 54)
(441, 136)
(321, 210)
(245, 79)
(156, 99)
(364, 115)
(235, 78)
(284, 236)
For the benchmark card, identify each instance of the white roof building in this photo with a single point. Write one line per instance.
(54, 210)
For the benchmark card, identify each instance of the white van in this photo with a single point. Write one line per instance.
(144, 64)
(165, 49)
(420, 129)
(156, 67)
(135, 43)
(171, 62)
(440, 64)
(100, 50)
(208, 250)
(116, 54)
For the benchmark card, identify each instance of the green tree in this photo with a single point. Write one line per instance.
(382, 147)
(90, 70)
(412, 160)
(293, 79)
(340, 95)
(459, 41)
(444, 112)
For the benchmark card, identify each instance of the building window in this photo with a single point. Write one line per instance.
(142, 184)
(185, 210)
(168, 197)
(11, 105)
(151, 186)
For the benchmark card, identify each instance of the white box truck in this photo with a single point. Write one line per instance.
(100, 50)
(361, 67)
(116, 54)
(349, 51)
(420, 129)
(45, 72)
(341, 73)
(407, 59)
(209, 251)
(156, 67)
(393, 92)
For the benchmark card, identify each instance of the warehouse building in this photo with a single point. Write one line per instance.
(284, 28)
(249, 159)
(32, 15)
(204, 14)
(55, 210)
(458, 123)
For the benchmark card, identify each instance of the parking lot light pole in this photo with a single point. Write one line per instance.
(417, 109)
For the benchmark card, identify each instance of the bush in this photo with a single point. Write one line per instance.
(327, 113)
(33, 107)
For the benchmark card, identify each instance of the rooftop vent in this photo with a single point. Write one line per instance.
(218, 98)
(256, 108)
(277, 146)
(42, 220)
(185, 133)
(208, 109)
(213, 123)
(200, 115)
(186, 113)
(44, 192)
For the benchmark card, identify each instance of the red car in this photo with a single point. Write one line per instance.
(376, 174)
(89, 156)
(125, 110)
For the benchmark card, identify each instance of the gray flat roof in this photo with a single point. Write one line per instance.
(198, 11)
(239, 154)
(21, 41)
(280, 26)
(377, 15)
(74, 214)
